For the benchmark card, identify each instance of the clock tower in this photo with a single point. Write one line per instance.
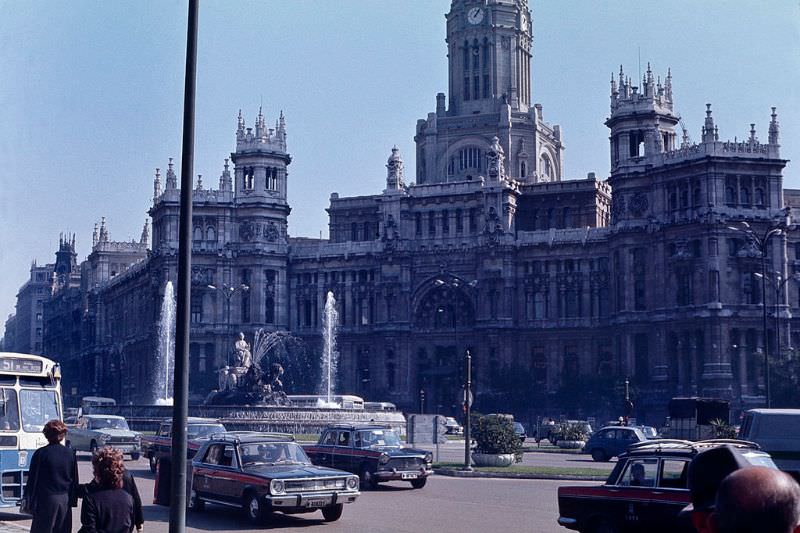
(489, 56)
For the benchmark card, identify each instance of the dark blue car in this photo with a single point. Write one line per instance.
(611, 441)
(264, 473)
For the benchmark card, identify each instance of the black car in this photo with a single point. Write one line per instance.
(264, 473)
(519, 431)
(374, 452)
(646, 490)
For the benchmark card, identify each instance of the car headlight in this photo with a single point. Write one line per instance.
(276, 486)
(352, 483)
(104, 438)
(428, 457)
(383, 459)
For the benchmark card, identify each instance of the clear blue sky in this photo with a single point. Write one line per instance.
(91, 94)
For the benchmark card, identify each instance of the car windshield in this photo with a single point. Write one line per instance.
(272, 453)
(377, 438)
(107, 423)
(518, 427)
(203, 430)
(38, 407)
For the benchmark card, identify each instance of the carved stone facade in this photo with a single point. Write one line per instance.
(542, 278)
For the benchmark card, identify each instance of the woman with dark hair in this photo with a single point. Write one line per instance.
(128, 485)
(110, 508)
(52, 481)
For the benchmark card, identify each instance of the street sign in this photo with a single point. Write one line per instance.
(426, 429)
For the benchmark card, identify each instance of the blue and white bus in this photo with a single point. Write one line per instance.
(30, 396)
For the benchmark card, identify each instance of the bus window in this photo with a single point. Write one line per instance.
(9, 412)
(38, 408)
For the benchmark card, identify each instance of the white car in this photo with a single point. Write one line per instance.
(92, 432)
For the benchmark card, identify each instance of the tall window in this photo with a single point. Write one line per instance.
(353, 231)
(459, 221)
(431, 223)
(197, 309)
(367, 231)
(466, 88)
(446, 222)
(418, 223)
(639, 296)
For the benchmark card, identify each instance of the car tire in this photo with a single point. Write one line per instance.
(195, 504)
(93, 446)
(419, 482)
(153, 464)
(599, 455)
(135, 456)
(366, 478)
(254, 509)
(332, 513)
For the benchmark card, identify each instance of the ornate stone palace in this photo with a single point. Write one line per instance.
(552, 284)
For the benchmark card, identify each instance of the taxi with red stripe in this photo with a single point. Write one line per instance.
(372, 451)
(263, 473)
(644, 493)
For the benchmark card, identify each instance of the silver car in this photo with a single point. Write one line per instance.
(95, 431)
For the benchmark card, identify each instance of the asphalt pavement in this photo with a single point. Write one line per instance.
(444, 505)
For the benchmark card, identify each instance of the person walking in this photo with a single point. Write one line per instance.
(109, 509)
(52, 482)
(128, 485)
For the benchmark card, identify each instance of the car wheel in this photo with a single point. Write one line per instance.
(254, 509)
(135, 457)
(599, 455)
(194, 503)
(93, 446)
(419, 482)
(602, 526)
(332, 513)
(153, 464)
(367, 478)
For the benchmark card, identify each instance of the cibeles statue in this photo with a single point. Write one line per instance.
(243, 357)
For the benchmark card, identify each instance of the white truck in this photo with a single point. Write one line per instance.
(777, 432)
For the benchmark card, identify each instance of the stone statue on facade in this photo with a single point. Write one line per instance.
(243, 356)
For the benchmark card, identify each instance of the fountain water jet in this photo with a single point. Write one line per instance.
(330, 356)
(162, 393)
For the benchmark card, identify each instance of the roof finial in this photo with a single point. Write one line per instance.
(708, 126)
(773, 128)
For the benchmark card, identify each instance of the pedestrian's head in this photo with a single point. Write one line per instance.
(757, 499)
(109, 467)
(55, 431)
(706, 472)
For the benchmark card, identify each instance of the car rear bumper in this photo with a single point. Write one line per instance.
(309, 501)
(569, 523)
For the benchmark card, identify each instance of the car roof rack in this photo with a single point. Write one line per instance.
(677, 444)
(237, 436)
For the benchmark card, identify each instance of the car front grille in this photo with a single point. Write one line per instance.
(314, 485)
(121, 440)
(406, 463)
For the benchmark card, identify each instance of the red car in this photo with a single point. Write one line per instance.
(645, 492)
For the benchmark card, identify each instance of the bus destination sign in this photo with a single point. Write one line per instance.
(19, 365)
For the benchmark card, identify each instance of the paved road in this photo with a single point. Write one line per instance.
(444, 505)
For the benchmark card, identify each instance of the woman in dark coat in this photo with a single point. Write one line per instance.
(52, 482)
(128, 485)
(110, 508)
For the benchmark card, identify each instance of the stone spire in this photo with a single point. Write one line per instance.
(261, 126)
(668, 85)
(240, 127)
(95, 235)
(394, 171)
(773, 128)
(172, 179)
(281, 130)
(157, 185)
(225, 182)
(103, 231)
(753, 139)
(709, 130)
(145, 238)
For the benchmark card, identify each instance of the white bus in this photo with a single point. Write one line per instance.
(30, 396)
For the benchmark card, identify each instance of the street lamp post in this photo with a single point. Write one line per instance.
(778, 283)
(759, 242)
(228, 291)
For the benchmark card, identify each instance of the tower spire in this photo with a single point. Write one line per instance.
(773, 128)
(157, 185)
(394, 171)
(225, 183)
(172, 179)
(145, 232)
(709, 131)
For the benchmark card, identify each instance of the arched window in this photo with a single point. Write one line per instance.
(269, 310)
(523, 169)
(744, 196)
(475, 56)
(211, 234)
(198, 233)
(546, 167)
(730, 196)
(249, 178)
(466, 55)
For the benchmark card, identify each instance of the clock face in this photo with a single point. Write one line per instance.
(475, 15)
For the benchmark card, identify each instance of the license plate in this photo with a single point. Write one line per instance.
(409, 476)
(319, 502)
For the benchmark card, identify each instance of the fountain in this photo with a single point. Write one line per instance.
(330, 356)
(162, 390)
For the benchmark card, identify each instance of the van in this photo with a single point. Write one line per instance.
(777, 432)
